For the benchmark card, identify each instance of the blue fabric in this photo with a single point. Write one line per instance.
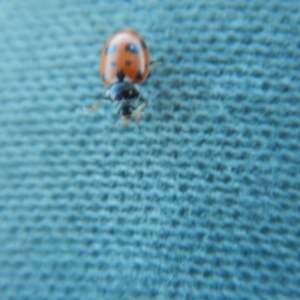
(200, 201)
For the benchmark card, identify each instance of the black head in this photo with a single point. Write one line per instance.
(125, 108)
(123, 91)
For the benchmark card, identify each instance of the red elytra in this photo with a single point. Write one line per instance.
(125, 57)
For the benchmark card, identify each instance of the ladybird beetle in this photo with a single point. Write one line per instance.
(124, 63)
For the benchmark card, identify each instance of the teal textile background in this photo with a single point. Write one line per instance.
(200, 201)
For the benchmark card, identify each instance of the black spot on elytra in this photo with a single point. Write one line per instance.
(113, 64)
(120, 75)
(143, 44)
(127, 62)
(111, 49)
(132, 48)
(139, 75)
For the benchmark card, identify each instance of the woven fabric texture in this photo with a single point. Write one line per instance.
(201, 200)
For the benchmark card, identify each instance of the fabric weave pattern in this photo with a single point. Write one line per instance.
(200, 201)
